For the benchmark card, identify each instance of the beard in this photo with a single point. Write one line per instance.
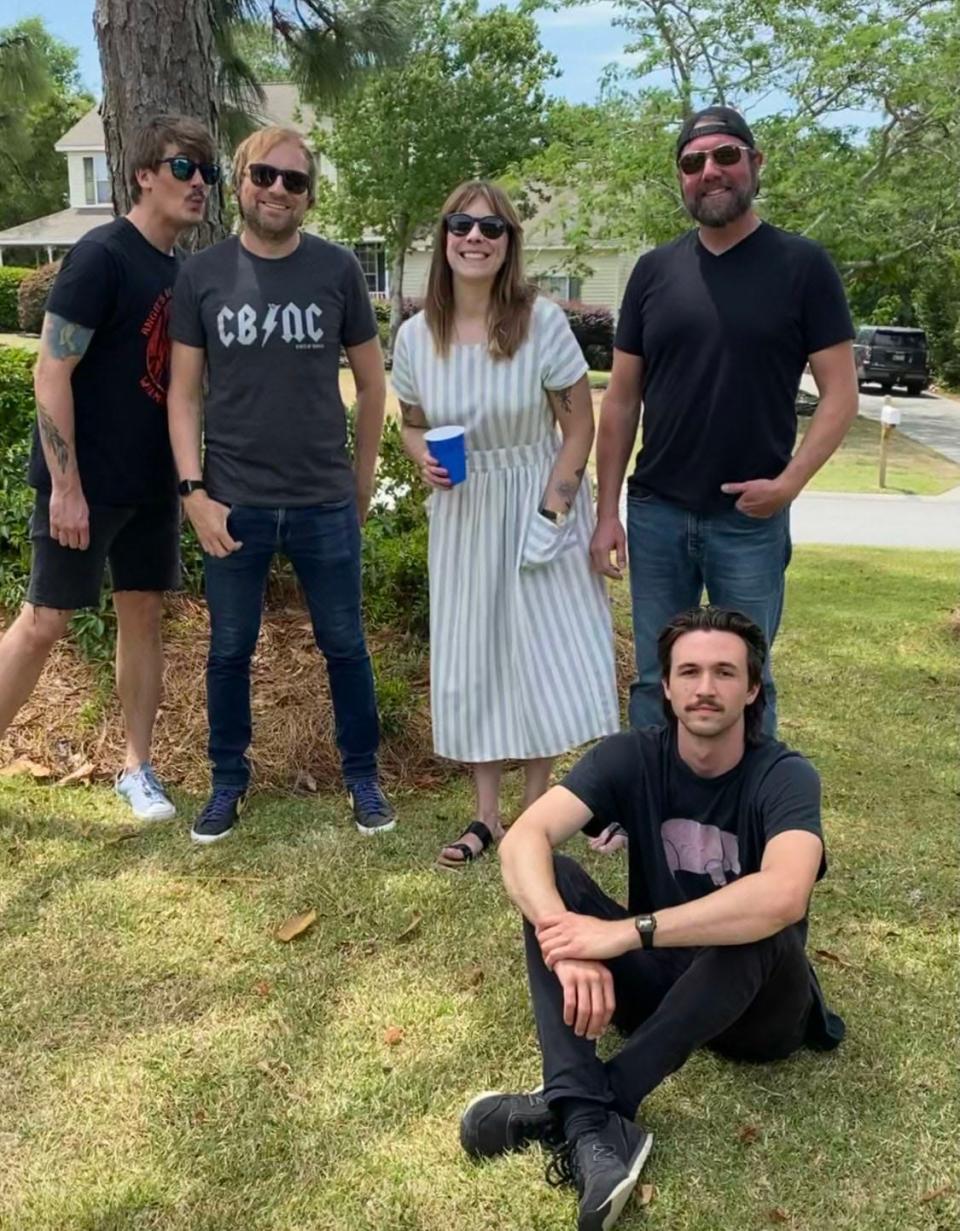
(719, 211)
(273, 230)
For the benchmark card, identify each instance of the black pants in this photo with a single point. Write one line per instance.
(748, 1002)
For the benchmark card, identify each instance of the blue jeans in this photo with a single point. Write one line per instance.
(323, 545)
(674, 554)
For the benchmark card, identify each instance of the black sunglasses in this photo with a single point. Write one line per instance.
(723, 155)
(491, 227)
(263, 175)
(184, 169)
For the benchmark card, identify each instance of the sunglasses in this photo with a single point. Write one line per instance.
(263, 175)
(184, 169)
(723, 155)
(491, 227)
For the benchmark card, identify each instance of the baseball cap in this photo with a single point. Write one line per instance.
(715, 119)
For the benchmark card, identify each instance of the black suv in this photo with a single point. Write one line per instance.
(890, 355)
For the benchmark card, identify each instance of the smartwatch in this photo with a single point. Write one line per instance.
(558, 519)
(646, 925)
(186, 486)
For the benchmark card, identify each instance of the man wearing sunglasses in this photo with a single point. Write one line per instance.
(714, 332)
(101, 463)
(265, 314)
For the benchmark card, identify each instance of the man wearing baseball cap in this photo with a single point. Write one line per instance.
(714, 332)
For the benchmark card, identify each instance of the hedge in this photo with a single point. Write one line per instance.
(16, 498)
(32, 296)
(10, 278)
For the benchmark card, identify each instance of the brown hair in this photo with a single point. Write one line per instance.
(150, 141)
(512, 296)
(260, 143)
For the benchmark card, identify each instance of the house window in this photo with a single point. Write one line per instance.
(373, 262)
(96, 181)
(559, 286)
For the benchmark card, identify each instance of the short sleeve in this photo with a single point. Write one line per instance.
(186, 323)
(789, 798)
(605, 778)
(825, 314)
(402, 374)
(561, 359)
(85, 289)
(359, 322)
(629, 335)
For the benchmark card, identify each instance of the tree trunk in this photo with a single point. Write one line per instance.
(158, 56)
(396, 278)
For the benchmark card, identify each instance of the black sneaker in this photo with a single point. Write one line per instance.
(220, 813)
(372, 811)
(495, 1123)
(605, 1167)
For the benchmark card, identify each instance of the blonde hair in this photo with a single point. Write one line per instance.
(256, 147)
(512, 296)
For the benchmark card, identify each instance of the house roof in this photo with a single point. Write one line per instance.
(59, 230)
(282, 105)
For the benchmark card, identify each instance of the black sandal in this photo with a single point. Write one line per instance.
(479, 830)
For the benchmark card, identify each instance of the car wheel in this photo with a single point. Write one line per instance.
(914, 388)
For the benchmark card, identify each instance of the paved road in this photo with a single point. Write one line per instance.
(888, 520)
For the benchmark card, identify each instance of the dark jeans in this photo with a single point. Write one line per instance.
(323, 545)
(674, 555)
(748, 1002)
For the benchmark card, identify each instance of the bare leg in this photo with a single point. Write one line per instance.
(486, 781)
(24, 650)
(139, 668)
(536, 779)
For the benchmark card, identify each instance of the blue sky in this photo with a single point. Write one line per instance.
(582, 39)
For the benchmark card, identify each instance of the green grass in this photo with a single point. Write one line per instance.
(169, 1065)
(912, 468)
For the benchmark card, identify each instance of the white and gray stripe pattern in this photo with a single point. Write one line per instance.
(521, 640)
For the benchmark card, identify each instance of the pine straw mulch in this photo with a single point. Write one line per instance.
(72, 728)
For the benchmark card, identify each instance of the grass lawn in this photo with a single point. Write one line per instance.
(169, 1065)
(911, 467)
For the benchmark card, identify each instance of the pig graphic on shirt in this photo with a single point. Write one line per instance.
(692, 847)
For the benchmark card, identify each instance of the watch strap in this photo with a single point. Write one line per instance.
(186, 486)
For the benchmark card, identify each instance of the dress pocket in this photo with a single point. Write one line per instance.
(544, 541)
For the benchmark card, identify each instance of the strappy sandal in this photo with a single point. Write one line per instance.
(479, 830)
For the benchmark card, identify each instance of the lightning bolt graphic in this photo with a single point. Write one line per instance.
(269, 322)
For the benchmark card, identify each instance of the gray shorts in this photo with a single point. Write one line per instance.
(141, 543)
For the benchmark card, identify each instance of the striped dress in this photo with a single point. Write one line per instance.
(521, 640)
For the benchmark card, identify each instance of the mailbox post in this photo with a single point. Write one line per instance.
(889, 422)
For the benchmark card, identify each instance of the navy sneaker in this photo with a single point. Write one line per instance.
(497, 1123)
(604, 1166)
(220, 813)
(372, 811)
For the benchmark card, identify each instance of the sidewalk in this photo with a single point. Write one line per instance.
(890, 520)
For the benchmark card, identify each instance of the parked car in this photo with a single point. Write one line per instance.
(891, 355)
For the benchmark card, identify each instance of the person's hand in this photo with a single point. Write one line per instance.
(364, 496)
(609, 540)
(760, 497)
(432, 473)
(209, 520)
(70, 518)
(569, 935)
(588, 997)
(613, 838)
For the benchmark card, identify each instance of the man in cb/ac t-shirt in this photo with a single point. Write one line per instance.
(101, 463)
(714, 332)
(265, 313)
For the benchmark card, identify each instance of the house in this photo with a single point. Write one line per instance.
(548, 255)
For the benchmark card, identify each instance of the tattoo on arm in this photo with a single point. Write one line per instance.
(53, 438)
(412, 415)
(65, 339)
(566, 489)
(563, 399)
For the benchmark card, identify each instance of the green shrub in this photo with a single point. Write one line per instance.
(16, 499)
(594, 329)
(32, 296)
(937, 301)
(10, 278)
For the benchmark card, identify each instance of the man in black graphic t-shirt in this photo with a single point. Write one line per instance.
(714, 332)
(265, 314)
(101, 461)
(725, 847)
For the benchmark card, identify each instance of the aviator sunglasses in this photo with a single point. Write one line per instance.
(262, 174)
(723, 155)
(491, 227)
(184, 168)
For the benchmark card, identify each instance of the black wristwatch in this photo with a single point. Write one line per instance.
(646, 925)
(186, 486)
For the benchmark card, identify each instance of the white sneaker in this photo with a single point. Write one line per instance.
(144, 794)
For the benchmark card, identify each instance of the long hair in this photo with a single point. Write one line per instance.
(721, 620)
(512, 296)
(151, 140)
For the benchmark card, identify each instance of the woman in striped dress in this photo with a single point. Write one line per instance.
(521, 641)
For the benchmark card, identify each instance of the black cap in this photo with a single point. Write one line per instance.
(715, 119)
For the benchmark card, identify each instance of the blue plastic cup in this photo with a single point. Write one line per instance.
(448, 445)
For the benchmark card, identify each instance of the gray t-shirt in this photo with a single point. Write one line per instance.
(275, 430)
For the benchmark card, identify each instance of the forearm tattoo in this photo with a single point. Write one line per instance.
(65, 339)
(563, 399)
(567, 489)
(53, 438)
(412, 415)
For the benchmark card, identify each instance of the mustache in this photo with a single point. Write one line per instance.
(704, 705)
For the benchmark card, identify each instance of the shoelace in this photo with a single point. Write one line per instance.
(369, 798)
(219, 805)
(150, 783)
(564, 1165)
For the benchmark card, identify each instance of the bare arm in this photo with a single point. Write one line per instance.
(63, 344)
(616, 436)
(411, 433)
(366, 363)
(835, 374)
(573, 410)
(526, 853)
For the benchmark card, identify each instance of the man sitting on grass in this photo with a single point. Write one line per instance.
(725, 846)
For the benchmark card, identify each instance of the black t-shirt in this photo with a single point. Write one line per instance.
(724, 341)
(115, 282)
(275, 431)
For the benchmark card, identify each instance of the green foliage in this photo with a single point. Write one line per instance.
(10, 278)
(16, 499)
(938, 312)
(593, 329)
(32, 296)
